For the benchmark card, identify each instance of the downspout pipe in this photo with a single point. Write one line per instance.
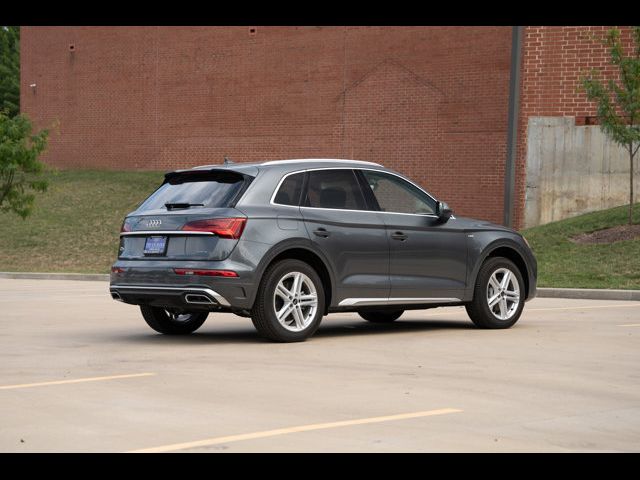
(512, 131)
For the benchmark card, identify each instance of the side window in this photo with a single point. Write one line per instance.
(290, 190)
(334, 189)
(397, 195)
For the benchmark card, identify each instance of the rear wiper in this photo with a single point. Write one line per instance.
(171, 206)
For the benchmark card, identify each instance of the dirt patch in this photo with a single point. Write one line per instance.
(609, 235)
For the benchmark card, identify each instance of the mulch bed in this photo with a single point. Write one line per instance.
(609, 235)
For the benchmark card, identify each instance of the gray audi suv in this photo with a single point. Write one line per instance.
(288, 242)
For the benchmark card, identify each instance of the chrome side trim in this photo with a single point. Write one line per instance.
(369, 211)
(219, 298)
(348, 302)
(164, 232)
(273, 195)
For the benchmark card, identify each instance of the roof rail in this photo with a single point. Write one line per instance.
(335, 160)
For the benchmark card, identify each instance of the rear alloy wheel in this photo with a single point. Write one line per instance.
(381, 316)
(290, 302)
(171, 322)
(498, 297)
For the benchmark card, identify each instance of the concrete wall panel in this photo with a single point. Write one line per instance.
(572, 170)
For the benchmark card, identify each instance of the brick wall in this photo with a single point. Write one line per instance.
(430, 102)
(554, 59)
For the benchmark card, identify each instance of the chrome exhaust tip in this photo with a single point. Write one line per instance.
(197, 299)
(116, 296)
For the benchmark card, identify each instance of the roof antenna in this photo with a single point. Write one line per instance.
(228, 161)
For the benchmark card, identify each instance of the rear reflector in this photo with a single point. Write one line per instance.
(205, 273)
(222, 227)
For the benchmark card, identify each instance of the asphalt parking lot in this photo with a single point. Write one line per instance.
(82, 373)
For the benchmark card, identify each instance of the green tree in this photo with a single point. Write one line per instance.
(10, 70)
(618, 100)
(21, 173)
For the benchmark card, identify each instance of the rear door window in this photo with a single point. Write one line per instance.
(337, 189)
(206, 189)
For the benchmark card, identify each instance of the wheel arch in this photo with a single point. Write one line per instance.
(507, 250)
(307, 254)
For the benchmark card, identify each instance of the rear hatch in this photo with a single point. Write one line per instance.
(190, 217)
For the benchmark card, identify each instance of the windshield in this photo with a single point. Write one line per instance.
(211, 190)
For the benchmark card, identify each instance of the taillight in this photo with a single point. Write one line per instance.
(125, 227)
(117, 270)
(205, 273)
(222, 227)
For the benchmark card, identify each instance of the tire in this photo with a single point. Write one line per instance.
(298, 322)
(381, 316)
(166, 322)
(501, 315)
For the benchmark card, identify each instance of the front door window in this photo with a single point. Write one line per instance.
(395, 195)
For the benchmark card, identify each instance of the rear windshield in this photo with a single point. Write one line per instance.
(212, 190)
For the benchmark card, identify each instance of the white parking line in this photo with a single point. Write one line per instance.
(583, 308)
(77, 380)
(630, 325)
(437, 314)
(284, 431)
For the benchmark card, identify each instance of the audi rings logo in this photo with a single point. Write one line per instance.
(154, 222)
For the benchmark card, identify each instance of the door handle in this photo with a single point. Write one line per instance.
(321, 232)
(399, 236)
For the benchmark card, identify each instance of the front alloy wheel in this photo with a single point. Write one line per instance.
(498, 296)
(503, 293)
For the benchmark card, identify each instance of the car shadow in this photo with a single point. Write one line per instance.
(399, 326)
(328, 329)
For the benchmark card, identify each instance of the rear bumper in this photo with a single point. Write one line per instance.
(185, 297)
(155, 282)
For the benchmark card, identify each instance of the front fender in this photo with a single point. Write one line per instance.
(483, 244)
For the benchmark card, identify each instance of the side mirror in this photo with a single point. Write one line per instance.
(443, 212)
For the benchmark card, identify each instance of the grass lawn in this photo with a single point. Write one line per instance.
(562, 263)
(76, 224)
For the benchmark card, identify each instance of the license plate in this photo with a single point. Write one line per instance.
(155, 246)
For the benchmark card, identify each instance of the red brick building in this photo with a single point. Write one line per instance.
(431, 102)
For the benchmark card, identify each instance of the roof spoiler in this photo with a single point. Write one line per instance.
(203, 172)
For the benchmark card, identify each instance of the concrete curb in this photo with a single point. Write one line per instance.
(578, 293)
(589, 293)
(55, 276)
